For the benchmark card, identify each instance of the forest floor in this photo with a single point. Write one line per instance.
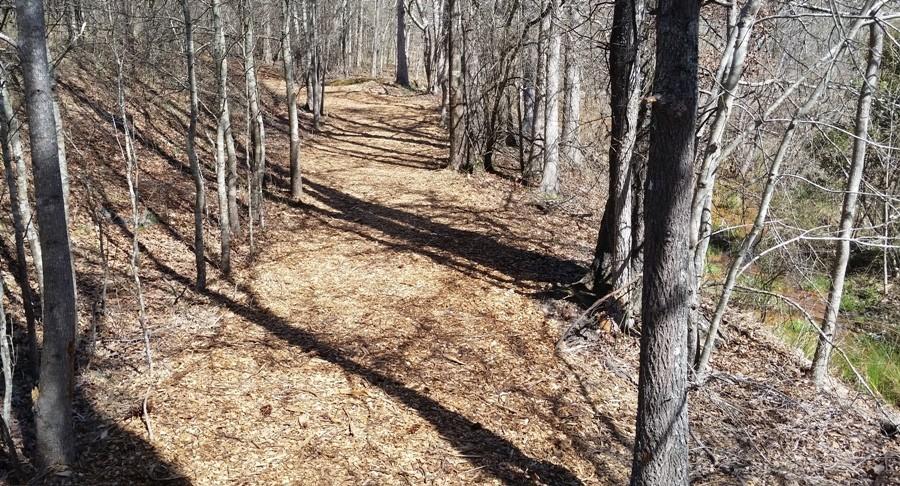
(395, 326)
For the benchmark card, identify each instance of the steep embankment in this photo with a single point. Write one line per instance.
(391, 329)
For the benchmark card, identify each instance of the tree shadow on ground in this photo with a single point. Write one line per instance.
(107, 452)
(483, 448)
(467, 251)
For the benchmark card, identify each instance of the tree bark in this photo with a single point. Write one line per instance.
(291, 95)
(191, 141)
(529, 95)
(16, 183)
(374, 68)
(6, 363)
(220, 49)
(267, 57)
(53, 414)
(257, 127)
(661, 454)
(611, 268)
(550, 176)
(457, 108)
(569, 144)
(402, 77)
(534, 166)
(848, 212)
(224, 180)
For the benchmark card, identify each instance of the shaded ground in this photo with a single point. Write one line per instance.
(391, 330)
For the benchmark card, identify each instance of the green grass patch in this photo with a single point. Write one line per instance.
(860, 295)
(799, 334)
(816, 283)
(875, 357)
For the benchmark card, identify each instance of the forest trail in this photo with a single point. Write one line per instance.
(388, 331)
(393, 327)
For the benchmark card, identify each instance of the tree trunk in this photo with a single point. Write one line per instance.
(457, 108)
(224, 178)
(612, 259)
(529, 94)
(701, 223)
(374, 70)
(267, 57)
(848, 212)
(536, 154)
(53, 410)
(257, 128)
(6, 364)
(315, 73)
(550, 177)
(572, 105)
(402, 77)
(661, 454)
(291, 94)
(224, 113)
(196, 171)
(16, 183)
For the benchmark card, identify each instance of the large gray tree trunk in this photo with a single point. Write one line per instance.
(53, 410)
(550, 175)
(196, 171)
(661, 455)
(402, 77)
(60, 136)
(848, 212)
(457, 107)
(291, 98)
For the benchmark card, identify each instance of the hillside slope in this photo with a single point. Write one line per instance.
(392, 328)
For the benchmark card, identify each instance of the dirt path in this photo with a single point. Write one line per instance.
(388, 332)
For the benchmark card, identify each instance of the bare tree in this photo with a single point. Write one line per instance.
(223, 112)
(774, 174)
(191, 142)
(661, 439)
(6, 363)
(291, 99)
(550, 176)
(571, 116)
(402, 77)
(257, 127)
(457, 108)
(848, 212)
(223, 131)
(53, 414)
(20, 208)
